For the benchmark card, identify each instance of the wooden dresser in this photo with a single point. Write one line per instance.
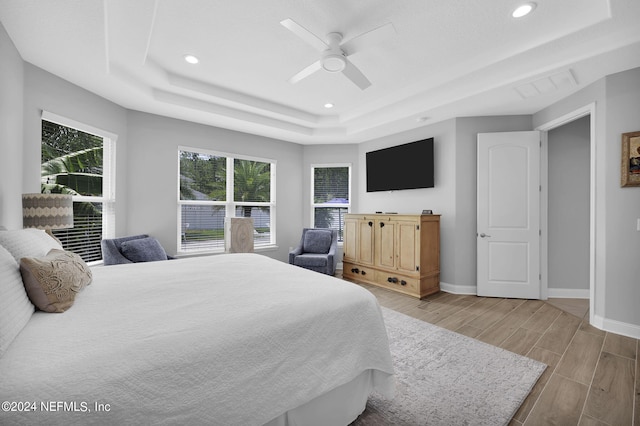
(400, 252)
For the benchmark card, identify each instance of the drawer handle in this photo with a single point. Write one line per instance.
(403, 282)
(363, 273)
(370, 223)
(355, 270)
(392, 280)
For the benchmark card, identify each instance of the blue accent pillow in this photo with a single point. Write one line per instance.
(317, 241)
(143, 250)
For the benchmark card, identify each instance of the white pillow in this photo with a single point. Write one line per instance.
(28, 242)
(15, 307)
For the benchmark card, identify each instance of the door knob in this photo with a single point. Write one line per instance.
(483, 235)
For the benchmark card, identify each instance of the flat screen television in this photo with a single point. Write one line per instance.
(407, 166)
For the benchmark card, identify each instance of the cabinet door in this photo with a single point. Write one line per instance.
(408, 246)
(364, 249)
(385, 243)
(350, 240)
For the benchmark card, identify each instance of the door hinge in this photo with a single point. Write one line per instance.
(540, 232)
(417, 227)
(540, 277)
(417, 268)
(540, 188)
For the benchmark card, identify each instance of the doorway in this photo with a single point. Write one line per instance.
(568, 210)
(556, 281)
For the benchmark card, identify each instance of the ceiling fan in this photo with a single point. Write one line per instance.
(334, 54)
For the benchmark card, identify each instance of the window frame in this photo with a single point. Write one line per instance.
(315, 205)
(108, 198)
(229, 204)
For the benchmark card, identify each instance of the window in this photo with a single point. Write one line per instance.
(214, 186)
(330, 196)
(77, 160)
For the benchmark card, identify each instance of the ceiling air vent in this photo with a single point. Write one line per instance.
(545, 85)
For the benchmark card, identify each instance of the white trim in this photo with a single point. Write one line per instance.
(617, 327)
(59, 119)
(349, 167)
(108, 198)
(229, 203)
(569, 293)
(587, 110)
(544, 217)
(459, 289)
(224, 154)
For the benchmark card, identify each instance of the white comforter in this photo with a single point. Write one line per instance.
(229, 340)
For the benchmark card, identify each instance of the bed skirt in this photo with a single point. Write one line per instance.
(341, 406)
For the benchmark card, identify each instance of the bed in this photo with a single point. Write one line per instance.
(237, 339)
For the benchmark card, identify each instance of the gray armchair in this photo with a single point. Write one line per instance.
(316, 250)
(133, 249)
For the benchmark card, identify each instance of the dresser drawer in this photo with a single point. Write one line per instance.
(357, 272)
(398, 282)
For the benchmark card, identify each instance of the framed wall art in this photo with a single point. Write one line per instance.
(630, 159)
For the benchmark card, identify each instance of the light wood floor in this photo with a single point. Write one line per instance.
(592, 376)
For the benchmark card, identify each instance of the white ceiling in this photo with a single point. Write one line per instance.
(448, 58)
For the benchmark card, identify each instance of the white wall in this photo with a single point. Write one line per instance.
(569, 204)
(153, 175)
(11, 133)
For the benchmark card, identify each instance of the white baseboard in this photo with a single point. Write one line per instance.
(612, 326)
(458, 289)
(560, 293)
(568, 293)
(617, 327)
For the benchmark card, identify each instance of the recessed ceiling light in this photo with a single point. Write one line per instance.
(328, 105)
(191, 59)
(523, 10)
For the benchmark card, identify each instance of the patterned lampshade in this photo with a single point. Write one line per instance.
(47, 211)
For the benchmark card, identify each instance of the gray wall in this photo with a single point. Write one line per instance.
(467, 130)
(617, 242)
(44, 91)
(329, 154)
(11, 101)
(147, 142)
(568, 233)
(454, 194)
(622, 298)
(153, 175)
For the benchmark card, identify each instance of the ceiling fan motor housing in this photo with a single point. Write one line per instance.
(333, 59)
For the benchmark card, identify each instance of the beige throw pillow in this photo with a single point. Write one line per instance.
(53, 281)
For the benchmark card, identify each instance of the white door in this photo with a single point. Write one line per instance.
(508, 217)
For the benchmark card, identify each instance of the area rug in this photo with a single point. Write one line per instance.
(445, 378)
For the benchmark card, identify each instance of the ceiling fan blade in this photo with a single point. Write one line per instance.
(305, 34)
(368, 39)
(356, 76)
(306, 72)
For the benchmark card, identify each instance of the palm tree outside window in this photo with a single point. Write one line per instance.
(214, 186)
(78, 162)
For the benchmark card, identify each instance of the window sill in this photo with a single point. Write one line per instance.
(259, 249)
